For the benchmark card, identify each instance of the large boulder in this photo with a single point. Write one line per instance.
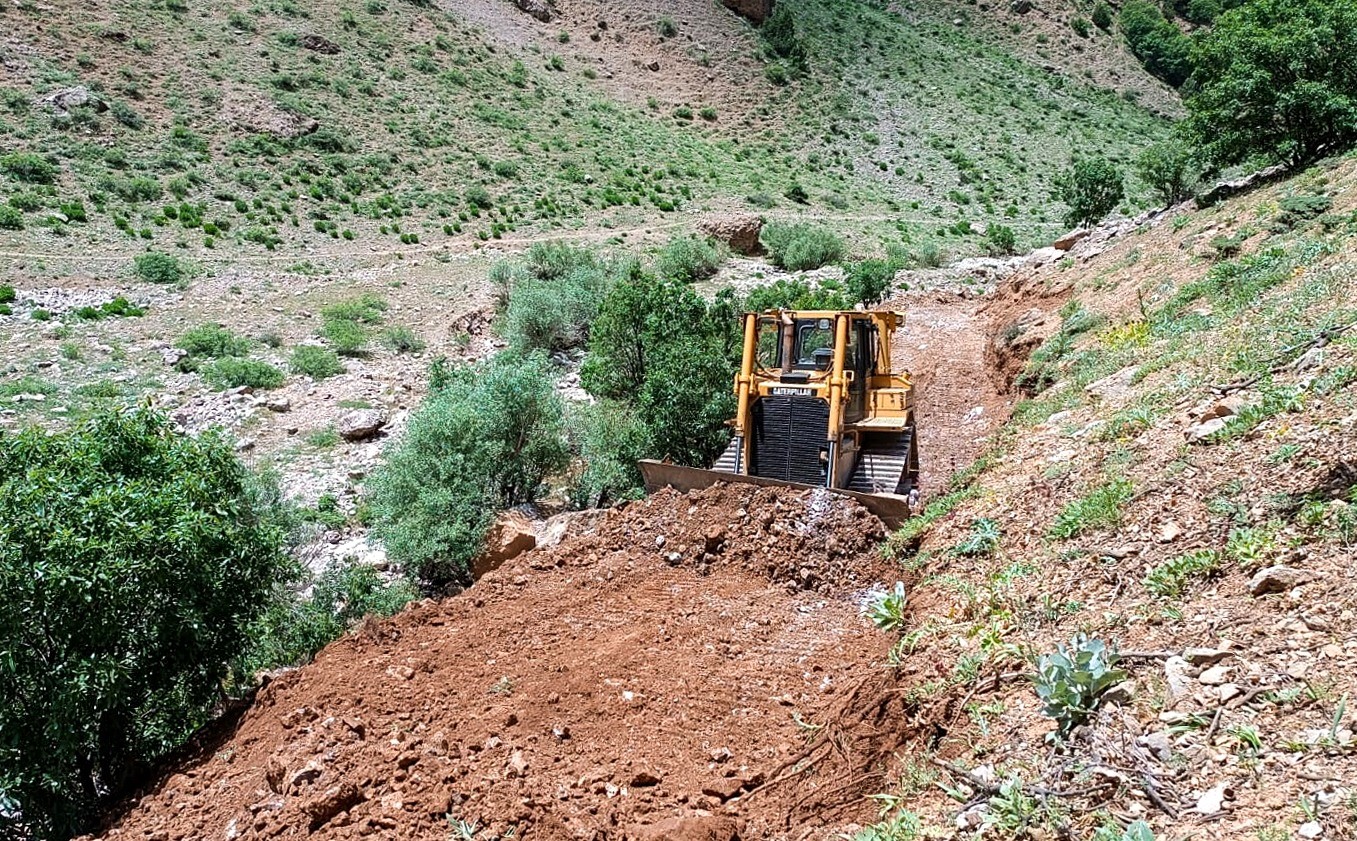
(68, 99)
(756, 10)
(740, 231)
(361, 424)
(543, 10)
(510, 536)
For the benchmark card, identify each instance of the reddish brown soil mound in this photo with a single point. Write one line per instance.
(650, 678)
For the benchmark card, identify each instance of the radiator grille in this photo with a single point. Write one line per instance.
(789, 433)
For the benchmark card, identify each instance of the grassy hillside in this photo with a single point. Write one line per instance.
(1178, 477)
(228, 128)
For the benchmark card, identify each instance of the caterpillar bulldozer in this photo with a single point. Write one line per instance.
(817, 406)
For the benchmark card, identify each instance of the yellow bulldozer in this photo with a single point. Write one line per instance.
(818, 406)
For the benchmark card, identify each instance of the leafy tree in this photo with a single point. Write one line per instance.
(485, 439)
(610, 437)
(658, 346)
(1168, 170)
(780, 34)
(132, 561)
(1159, 44)
(1092, 188)
(691, 258)
(869, 281)
(1102, 16)
(1277, 79)
(1000, 241)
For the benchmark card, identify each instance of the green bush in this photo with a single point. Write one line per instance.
(1171, 578)
(1167, 169)
(11, 219)
(7, 294)
(801, 246)
(401, 339)
(784, 294)
(1263, 89)
(691, 258)
(1070, 680)
(364, 309)
(160, 268)
(348, 338)
(213, 341)
(29, 167)
(315, 362)
(293, 628)
(1000, 241)
(551, 299)
(659, 346)
(132, 560)
(486, 438)
(1092, 187)
(1159, 44)
(1102, 16)
(870, 282)
(236, 372)
(781, 37)
(609, 437)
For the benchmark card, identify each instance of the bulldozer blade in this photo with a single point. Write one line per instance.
(892, 509)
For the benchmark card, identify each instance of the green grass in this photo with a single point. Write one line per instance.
(315, 362)
(1172, 578)
(1099, 508)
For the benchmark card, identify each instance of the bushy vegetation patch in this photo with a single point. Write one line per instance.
(315, 362)
(691, 258)
(801, 246)
(485, 439)
(164, 269)
(237, 372)
(133, 562)
(608, 437)
(549, 300)
(1159, 44)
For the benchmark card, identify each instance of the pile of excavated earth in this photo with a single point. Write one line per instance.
(660, 673)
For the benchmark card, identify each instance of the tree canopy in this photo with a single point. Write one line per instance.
(1276, 80)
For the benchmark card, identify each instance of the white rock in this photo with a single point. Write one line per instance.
(1213, 800)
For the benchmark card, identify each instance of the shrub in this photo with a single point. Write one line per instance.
(784, 294)
(486, 438)
(214, 341)
(550, 301)
(691, 258)
(780, 36)
(1069, 681)
(666, 27)
(365, 309)
(1102, 16)
(7, 294)
(315, 362)
(1167, 169)
(1160, 45)
(348, 338)
(237, 372)
(609, 437)
(133, 560)
(1000, 241)
(26, 202)
(869, 282)
(801, 246)
(11, 219)
(1092, 187)
(293, 628)
(29, 167)
(659, 346)
(1080, 27)
(159, 268)
(401, 339)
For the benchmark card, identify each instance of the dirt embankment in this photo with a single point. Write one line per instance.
(652, 677)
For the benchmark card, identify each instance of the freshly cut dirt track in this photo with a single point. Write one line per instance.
(957, 401)
(657, 674)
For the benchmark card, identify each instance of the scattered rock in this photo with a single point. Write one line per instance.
(517, 765)
(1158, 744)
(1122, 693)
(1199, 432)
(1278, 579)
(1071, 239)
(1020, 7)
(320, 44)
(1225, 408)
(361, 424)
(645, 778)
(724, 788)
(543, 10)
(703, 827)
(327, 806)
(1205, 656)
(278, 404)
(172, 355)
(67, 99)
(1177, 674)
(1170, 532)
(1213, 800)
(1214, 676)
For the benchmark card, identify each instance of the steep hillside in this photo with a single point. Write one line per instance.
(225, 131)
(1178, 479)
